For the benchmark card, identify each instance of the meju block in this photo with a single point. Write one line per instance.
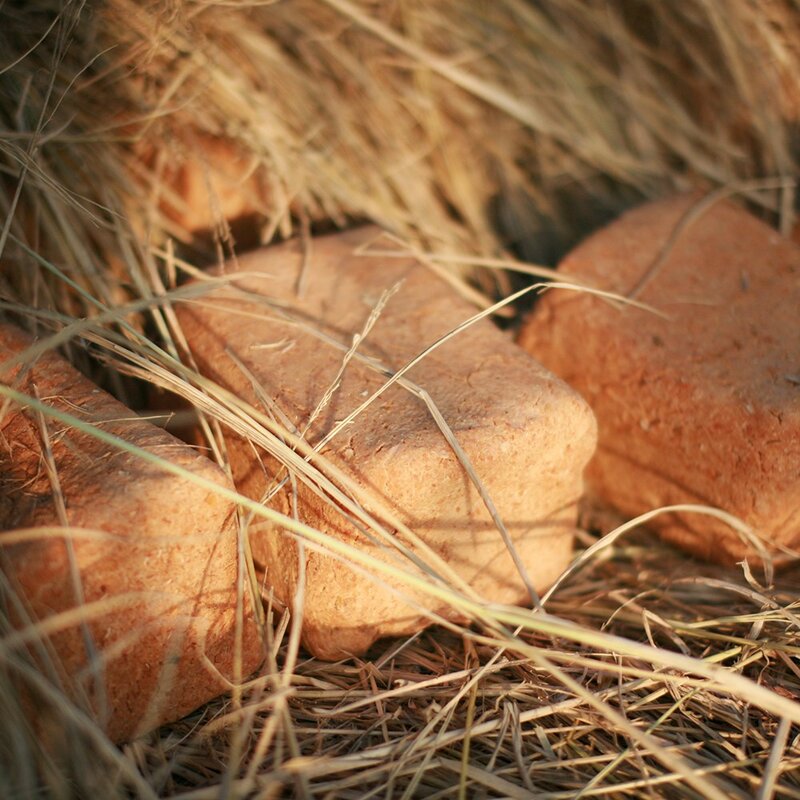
(154, 563)
(527, 435)
(700, 404)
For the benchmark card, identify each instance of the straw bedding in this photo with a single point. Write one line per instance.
(485, 134)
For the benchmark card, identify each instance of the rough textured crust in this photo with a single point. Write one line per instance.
(701, 407)
(527, 434)
(159, 550)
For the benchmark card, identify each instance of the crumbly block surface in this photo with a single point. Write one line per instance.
(526, 433)
(156, 555)
(702, 406)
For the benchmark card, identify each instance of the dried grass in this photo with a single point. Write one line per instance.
(477, 133)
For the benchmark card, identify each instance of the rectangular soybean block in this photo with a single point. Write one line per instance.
(156, 555)
(527, 435)
(702, 406)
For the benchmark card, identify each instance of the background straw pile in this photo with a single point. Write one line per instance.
(483, 133)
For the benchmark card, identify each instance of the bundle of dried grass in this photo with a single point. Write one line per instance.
(474, 131)
(466, 127)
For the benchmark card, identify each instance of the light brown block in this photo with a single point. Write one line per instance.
(526, 433)
(155, 555)
(702, 407)
(204, 180)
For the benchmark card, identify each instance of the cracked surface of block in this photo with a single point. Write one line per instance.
(155, 556)
(701, 407)
(526, 433)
